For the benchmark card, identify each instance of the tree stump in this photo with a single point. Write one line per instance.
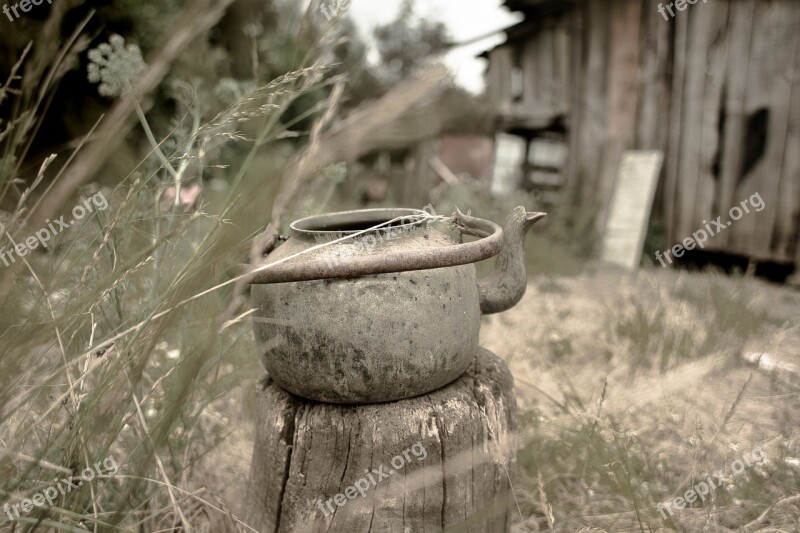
(441, 461)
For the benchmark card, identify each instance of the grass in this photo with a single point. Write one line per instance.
(126, 336)
(650, 396)
(111, 335)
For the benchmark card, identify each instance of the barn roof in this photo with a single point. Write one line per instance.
(540, 7)
(535, 11)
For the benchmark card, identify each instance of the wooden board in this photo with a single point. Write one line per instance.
(575, 22)
(739, 35)
(654, 93)
(709, 118)
(622, 97)
(591, 148)
(499, 78)
(676, 125)
(652, 127)
(788, 218)
(629, 212)
(700, 24)
(772, 54)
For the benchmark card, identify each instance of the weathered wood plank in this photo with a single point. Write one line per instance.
(756, 99)
(787, 224)
(738, 65)
(535, 69)
(652, 124)
(591, 148)
(575, 23)
(653, 116)
(307, 452)
(499, 85)
(630, 208)
(545, 59)
(561, 59)
(623, 90)
(531, 96)
(671, 199)
(773, 49)
(701, 23)
(709, 117)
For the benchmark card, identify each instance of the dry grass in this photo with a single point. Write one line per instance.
(112, 343)
(633, 388)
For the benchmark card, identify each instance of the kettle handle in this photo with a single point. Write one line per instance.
(487, 246)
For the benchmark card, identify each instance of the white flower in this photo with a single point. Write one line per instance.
(115, 66)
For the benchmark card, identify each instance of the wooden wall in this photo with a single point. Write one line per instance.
(716, 88)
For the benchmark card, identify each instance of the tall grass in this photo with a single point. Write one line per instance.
(119, 336)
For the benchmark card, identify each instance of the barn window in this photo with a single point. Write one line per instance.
(544, 168)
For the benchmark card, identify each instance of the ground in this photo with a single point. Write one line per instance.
(633, 389)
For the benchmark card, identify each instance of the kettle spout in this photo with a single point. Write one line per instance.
(506, 285)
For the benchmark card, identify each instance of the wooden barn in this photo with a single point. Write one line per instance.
(713, 84)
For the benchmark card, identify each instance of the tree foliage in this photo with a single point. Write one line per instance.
(408, 41)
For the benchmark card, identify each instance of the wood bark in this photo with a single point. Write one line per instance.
(438, 462)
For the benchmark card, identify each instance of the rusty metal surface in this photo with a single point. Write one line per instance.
(506, 285)
(369, 339)
(488, 246)
(402, 316)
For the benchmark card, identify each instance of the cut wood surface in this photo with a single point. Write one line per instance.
(438, 462)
